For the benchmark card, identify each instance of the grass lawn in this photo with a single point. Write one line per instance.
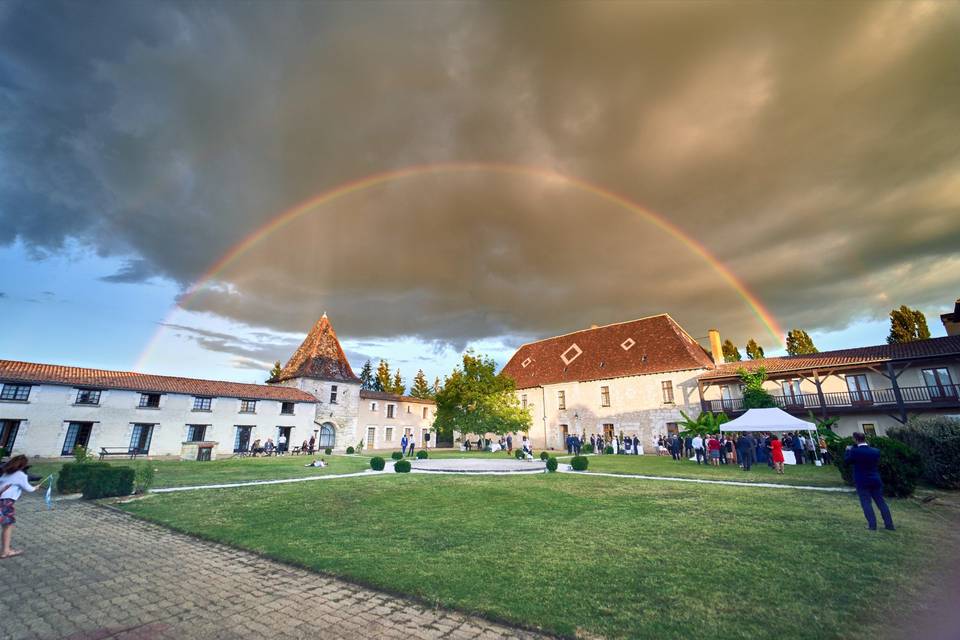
(177, 473)
(807, 474)
(593, 555)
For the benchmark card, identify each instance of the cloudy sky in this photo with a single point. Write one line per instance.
(814, 149)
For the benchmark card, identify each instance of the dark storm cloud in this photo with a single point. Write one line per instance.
(131, 271)
(812, 147)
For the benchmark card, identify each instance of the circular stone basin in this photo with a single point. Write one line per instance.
(478, 465)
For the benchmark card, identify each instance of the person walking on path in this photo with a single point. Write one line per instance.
(866, 476)
(13, 483)
(776, 453)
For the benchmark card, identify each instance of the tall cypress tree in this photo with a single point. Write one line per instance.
(276, 371)
(398, 386)
(420, 387)
(754, 350)
(907, 325)
(436, 386)
(799, 343)
(730, 352)
(366, 376)
(382, 381)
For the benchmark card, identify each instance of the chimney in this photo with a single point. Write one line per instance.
(594, 326)
(951, 321)
(716, 350)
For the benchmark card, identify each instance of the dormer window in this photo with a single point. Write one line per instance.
(88, 396)
(572, 353)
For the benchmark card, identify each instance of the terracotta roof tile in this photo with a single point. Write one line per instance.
(640, 347)
(319, 356)
(366, 394)
(934, 347)
(33, 373)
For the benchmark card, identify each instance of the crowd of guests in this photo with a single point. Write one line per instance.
(744, 449)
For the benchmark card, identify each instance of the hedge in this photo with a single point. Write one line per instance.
(377, 463)
(900, 466)
(579, 463)
(73, 475)
(422, 455)
(937, 440)
(109, 482)
(396, 455)
(402, 466)
(552, 463)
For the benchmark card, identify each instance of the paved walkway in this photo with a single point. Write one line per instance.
(90, 573)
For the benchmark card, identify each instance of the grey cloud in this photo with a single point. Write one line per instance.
(811, 147)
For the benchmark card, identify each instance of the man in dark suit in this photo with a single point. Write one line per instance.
(746, 449)
(866, 476)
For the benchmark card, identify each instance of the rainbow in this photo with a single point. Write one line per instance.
(286, 217)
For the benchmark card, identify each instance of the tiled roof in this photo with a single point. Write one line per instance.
(649, 345)
(934, 347)
(366, 394)
(320, 356)
(33, 373)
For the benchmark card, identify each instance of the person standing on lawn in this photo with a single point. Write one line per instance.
(509, 443)
(798, 446)
(403, 445)
(713, 447)
(281, 444)
(698, 448)
(412, 443)
(675, 448)
(312, 444)
(636, 445)
(748, 451)
(13, 483)
(866, 476)
(776, 453)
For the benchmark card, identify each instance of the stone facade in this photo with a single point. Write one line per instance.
(385, 417)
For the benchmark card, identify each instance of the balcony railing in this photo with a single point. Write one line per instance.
(946, 395)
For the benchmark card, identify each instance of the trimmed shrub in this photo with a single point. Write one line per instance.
(402, 466)
(579, 463)
(900, 466)
(544, 455)
(73, 475)
(396, 455)
(377, 463)
(143, 477)
(587, 448)
(518, 454)
(609, 449)
(552, 463)
(109, 482)
(328, 451)
(349, 451)
(937, 440)
(421, 455)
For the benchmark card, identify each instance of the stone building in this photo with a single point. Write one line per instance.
(385, 417)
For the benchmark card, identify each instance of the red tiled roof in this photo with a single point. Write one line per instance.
(33, 373)
(366, 394)
(319, 356)
(659, 344)
(932, 348)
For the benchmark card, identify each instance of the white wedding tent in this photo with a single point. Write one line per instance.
(773, 420)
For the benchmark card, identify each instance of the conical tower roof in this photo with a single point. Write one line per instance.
(320, 356)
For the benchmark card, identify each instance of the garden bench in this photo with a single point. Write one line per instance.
(118, 451)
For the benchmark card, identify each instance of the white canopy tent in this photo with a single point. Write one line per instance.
(770, 420)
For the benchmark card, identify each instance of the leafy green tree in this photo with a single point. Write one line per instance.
(276, 371)
(398, 386)
(382, 380)
(754, 395)
(436, 386)
(754, 350)
(907, 325)
(705, 424)
(366, 377)
(799, 343)
(730, 352)
(420, 387)
(475, 400)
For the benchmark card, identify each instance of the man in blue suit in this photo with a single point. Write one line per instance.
(866, 476)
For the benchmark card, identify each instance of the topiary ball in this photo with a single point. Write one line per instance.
(544, 455)
(328, 451)
(608, 450)
(579, 463)
(588, 448)
(421, 455)
(377, 463)
(552, 463)
(402, 466)
(349, 450)
(518, 454)
(396, 455)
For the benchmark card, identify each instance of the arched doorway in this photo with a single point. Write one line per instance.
(327, 436)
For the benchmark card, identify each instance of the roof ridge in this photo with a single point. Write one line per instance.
(596, 328)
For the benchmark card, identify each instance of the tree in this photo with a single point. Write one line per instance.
(475, 400)
(420, 387)
(436, 386)
(799, 343)
(398, 386)
(730, 352)
(705, 424)
(754, 350)
(275, 372)
(754, 395)
(907, 325)
(366, 377)
(382, 381)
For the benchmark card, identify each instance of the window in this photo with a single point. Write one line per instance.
(409, 409)
(859, 389)
(333, 394)
(196, 432)
(608, 432)
(248, 406)
(390, 409)
(286, 408)
(426, 411)
(140, 438)
(562, 400)
(939, 384)
(88, 396)
(202, 404)
(328, 436)
(149, 400)
(371, 437)
(388, 434)
(78, 435)
(373, 406)
(673, 428)
(604, 396)
(667, 387)
(17, 392)
(869, 428)
(8, 434)
(241, 440)
(523, 400)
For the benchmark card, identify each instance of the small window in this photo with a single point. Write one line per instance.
(562, 400)
(202, 404)
(869, 429)
(667, 387)
(523, 401)
(248, 406)
(149, 400)
(604, 396)
(333, 394)
(88, 396)
(426, 411)
(196, 432)
(572, 353)
(17, 392)
(286, 408)
(409, 409)
(373, 406)
(390, 409)
(388, 434)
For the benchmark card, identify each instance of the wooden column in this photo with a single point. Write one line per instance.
(892, 375)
